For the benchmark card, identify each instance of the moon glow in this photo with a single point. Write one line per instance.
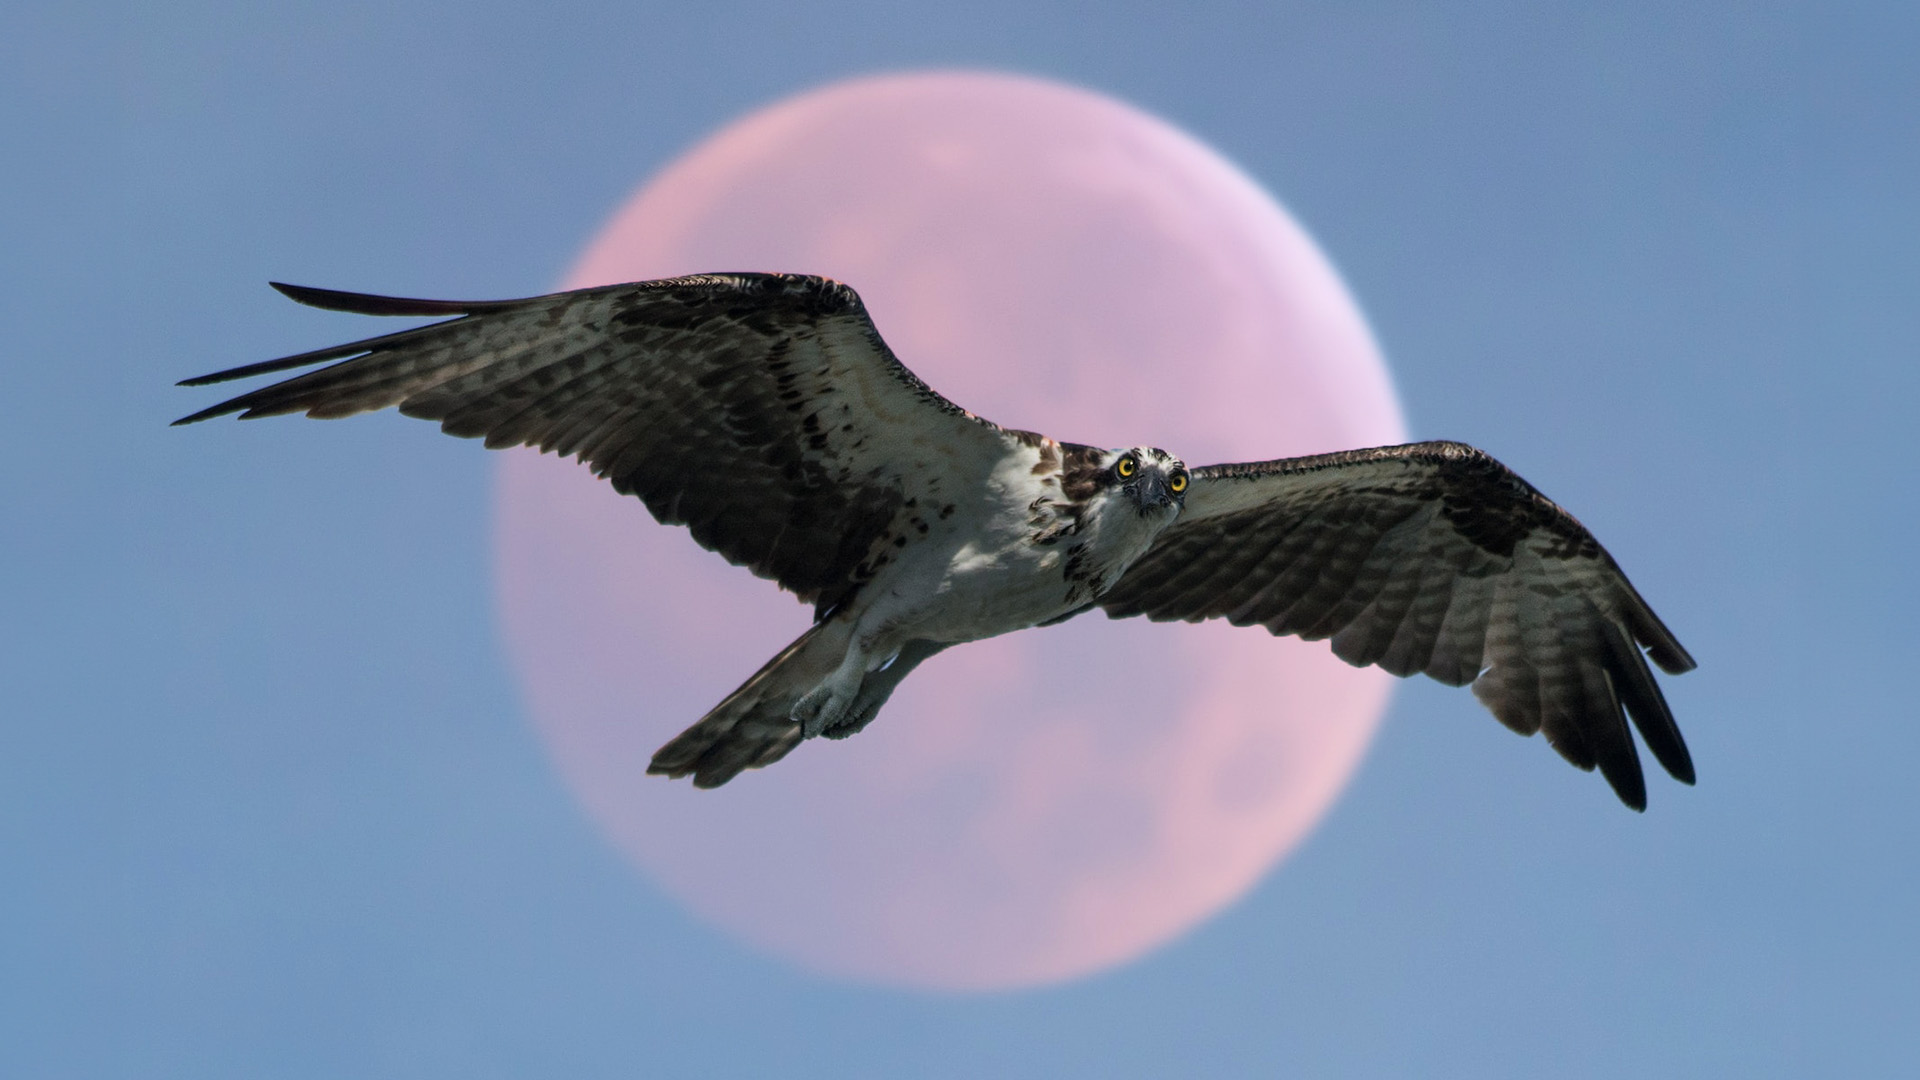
(1041, 805)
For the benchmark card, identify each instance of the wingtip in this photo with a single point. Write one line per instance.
(328, 299)
(372, 304)
(1672, 658)
(1633, 794)
(203, 414)
(1660, 643)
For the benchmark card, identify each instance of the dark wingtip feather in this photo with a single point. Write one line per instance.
(1673, 659)
(1661, 645)
(267, 367)
(1624, 776)
(367, 303)
(340, 301)
(1646, 705)
(370, 304)
(1655, 721)
(205, 414)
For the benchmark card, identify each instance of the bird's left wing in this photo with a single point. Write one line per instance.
(763, 411)
(1428, 558)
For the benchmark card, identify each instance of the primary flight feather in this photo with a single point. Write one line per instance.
(765, 413)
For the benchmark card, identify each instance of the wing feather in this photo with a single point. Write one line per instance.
(1431, 558)
(1369, 633)
(762, 410)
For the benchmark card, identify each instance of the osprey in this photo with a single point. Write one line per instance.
(765, 413)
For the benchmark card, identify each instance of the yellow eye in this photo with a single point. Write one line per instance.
(1126, 467)
(1178, 483)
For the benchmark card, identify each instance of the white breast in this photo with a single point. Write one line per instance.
(1117, 534)
(986, 575)
(980, 575)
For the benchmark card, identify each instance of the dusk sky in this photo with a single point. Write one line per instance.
(270, 800)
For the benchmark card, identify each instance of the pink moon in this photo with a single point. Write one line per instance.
(1022, 812)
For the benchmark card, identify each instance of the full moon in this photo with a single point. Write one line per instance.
(1041, 805)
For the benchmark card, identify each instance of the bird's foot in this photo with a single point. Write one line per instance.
(827, 705)
(857, 715)
(878, 686)
(821, 708)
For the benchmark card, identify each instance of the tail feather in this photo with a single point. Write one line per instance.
(752, 727)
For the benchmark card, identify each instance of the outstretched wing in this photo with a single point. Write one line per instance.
(1434, 558)
(763, 411)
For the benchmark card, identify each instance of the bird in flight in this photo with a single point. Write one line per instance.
(765, 413)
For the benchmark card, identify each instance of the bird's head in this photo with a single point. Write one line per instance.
(1154, 481)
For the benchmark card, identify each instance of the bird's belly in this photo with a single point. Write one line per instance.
(971, 593)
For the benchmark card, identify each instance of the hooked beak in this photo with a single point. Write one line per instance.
(1154, 492)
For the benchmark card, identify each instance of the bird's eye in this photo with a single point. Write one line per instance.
(1179, 482)
(1126, 467)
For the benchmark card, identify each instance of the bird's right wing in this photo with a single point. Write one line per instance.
(762, 411)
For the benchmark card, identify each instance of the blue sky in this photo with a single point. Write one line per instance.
(268, 805)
